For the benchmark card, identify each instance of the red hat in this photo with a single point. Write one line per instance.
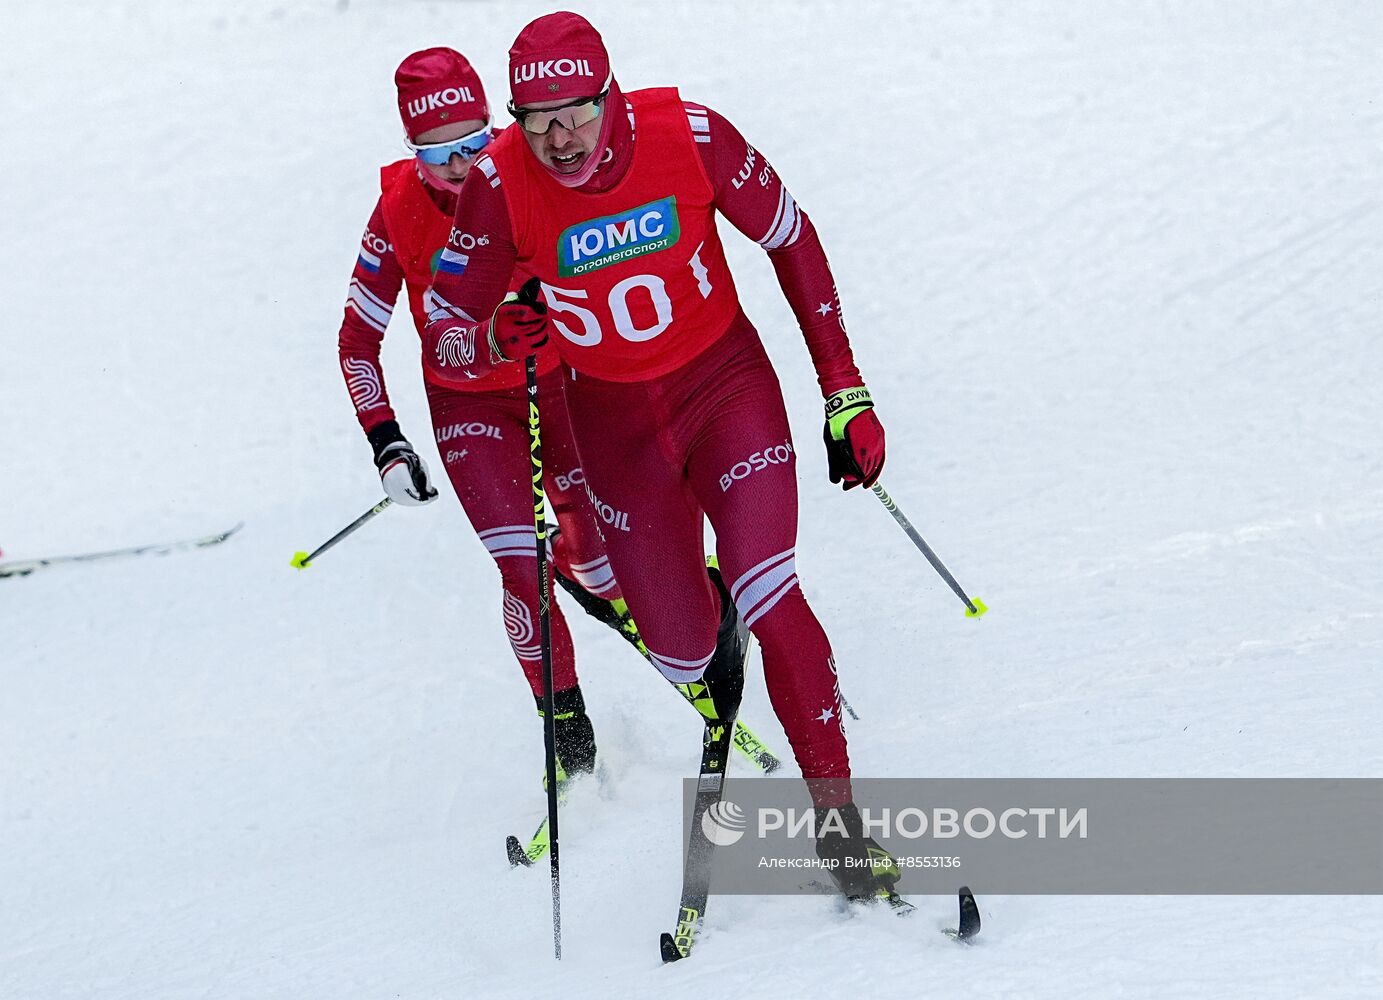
(557, 56)
(436, 87)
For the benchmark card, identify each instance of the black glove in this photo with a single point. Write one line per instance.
(400, 469)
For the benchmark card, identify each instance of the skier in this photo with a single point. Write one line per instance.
(610, 199)
(481, 424)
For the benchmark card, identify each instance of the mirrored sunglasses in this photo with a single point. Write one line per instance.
(570, 116)
(467, 147)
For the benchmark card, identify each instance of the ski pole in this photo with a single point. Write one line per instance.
(974, 607)
(302, 560)
(535, 454)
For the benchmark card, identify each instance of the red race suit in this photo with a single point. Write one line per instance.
(676, 409)
(480, 424)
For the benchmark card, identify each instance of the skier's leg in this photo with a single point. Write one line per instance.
(743, 470)
(483, 441)
(651, 523)
(580, 551)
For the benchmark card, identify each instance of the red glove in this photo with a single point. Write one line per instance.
(854, 438)
(519, 325)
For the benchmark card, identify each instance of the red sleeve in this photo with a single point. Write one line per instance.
(470, 283)
(750, 194)
(375, 285)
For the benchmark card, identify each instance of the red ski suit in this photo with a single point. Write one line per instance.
(480, 424)
(676, 409)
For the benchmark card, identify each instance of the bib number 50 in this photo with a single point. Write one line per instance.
(569, 302)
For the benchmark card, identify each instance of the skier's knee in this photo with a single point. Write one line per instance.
(760, 590)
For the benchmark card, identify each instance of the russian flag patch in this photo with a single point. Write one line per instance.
(451, 262)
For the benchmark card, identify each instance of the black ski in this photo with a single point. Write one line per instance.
(696, 873)
(514, 849)
(969, 925)
(967, 928)
(724, 686)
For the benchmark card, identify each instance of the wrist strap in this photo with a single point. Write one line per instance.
(496, 355)
(854, 398)
(843, 406)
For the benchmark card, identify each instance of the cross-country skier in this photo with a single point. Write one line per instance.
(480, 424)
(610, 199)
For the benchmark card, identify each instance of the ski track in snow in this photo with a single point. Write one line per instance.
(1113, 274)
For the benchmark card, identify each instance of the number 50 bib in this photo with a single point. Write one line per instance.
(635, 277)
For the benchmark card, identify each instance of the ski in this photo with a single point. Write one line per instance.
(696, 873)
(538, 844)
(753, 749)
(526, 857)
(717, 738)
(968, 925)
(965, 931)
(25, 567)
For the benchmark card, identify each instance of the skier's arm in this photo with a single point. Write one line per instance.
(374, 288)
(751, 195)
(375, 285)
(472, 276)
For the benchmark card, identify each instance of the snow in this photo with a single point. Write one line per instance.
(1113, 274)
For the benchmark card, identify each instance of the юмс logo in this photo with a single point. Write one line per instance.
(596, 243)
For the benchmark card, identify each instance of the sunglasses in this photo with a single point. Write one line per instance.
(570, 116)
(468, 147)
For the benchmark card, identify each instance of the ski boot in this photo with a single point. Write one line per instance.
(575, 736)
(861, 869)
(721, 687)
